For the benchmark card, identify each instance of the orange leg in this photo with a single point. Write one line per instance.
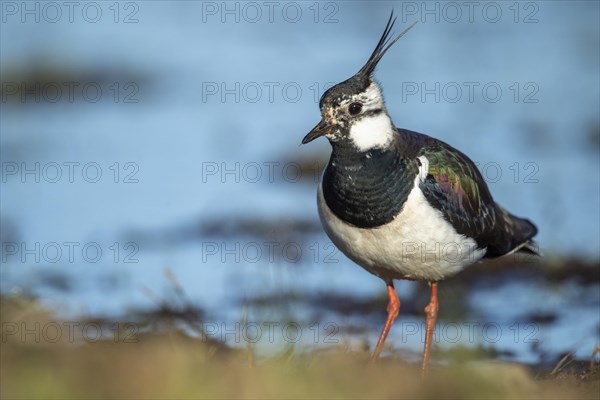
(431, 311)
(393, 308)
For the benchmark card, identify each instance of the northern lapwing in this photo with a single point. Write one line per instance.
(401, 204)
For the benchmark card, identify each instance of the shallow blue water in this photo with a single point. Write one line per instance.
(201, 116)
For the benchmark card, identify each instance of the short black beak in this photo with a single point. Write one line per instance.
(321, 129)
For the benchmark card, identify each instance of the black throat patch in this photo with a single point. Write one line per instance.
(367, 189)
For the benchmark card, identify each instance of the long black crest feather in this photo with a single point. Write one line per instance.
(384, 44)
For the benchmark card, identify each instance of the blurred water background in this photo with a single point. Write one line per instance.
(141, 136)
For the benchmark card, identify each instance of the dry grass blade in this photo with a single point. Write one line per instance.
(564, 362)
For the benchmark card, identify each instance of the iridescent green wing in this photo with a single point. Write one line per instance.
(455, 186)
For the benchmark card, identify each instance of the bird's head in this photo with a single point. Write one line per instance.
(354, 109)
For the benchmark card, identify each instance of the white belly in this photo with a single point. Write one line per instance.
(418, 244)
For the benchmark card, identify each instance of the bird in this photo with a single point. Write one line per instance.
(401, 204)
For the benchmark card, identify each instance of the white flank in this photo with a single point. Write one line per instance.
(372, 132)
(418, 244)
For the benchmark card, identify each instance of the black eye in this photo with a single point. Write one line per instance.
(355, 108)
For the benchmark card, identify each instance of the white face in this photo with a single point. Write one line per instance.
(371, 131)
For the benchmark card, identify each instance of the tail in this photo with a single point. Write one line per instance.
(512, 234)
(520, 233)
